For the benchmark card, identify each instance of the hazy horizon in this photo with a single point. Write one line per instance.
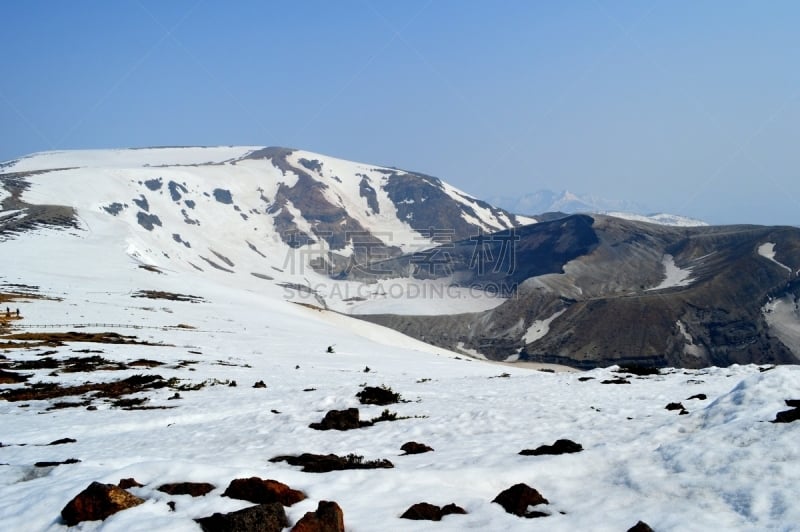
(687, 108)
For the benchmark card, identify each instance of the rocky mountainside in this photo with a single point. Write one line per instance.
(590, 291)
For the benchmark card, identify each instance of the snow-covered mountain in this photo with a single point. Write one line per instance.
(548, 201)
(159, 340)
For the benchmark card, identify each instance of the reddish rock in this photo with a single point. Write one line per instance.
(97, 502)
(262, 491)
(413, 447)
(195, 489)
(126, 483)
(269, 517)
(641, 526)
(516, 500)
(327, 518)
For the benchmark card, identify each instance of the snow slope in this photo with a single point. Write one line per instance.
(721, 467)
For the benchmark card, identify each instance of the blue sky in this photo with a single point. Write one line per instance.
(686, 107)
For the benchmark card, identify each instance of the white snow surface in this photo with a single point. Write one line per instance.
(674, 220)
(674, 276)
(539, 328)
(721, 467)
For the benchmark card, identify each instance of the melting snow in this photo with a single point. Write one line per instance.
(540, 328)
(767, 250)
(673, 275)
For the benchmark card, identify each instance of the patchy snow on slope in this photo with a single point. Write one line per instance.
(660, 219)
(767, 250)
(539, 328)
(674, 276)
(783, 318)
(690, 348)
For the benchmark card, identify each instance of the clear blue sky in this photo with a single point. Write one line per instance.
(689, 107)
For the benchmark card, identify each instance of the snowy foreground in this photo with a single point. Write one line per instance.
(721, 467)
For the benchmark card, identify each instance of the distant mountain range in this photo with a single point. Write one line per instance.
(544, 202)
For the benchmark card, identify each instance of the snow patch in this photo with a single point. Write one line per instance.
(540, 328)
(674, 276)
(767, 250)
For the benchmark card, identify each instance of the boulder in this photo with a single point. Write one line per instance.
(559, 447)
(328, 517)
(413, 447)
(97, 502)
(262, 491)
(339, 420)
(641, 526)
(373, 395)
(269, 517)
(126, 483)
(195, 489)
(423, 511)
(516, 500)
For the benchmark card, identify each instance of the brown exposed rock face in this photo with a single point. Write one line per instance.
(516, 500)
(327, 518)
(126, 483)
(97, 502)
(262, 491)
(269, 517)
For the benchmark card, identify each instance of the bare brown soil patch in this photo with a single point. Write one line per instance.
(170, 296)
(55, 339)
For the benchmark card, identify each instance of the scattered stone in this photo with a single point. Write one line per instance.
(174, 396)
(340, 420)
(413, 447)
(12, 377)
(516, 500)
(328, 517)
(641, 526)
(559, 447)
(97, 502)
(195, 489)
(424, 511)
(700, 396)
(126, 483)
(171, 505)
(674, 406)
(260, 384)
(584, 379)
(269, 517)
(53, 464)
(262, 491)
(382, 396)
(787, 416)
(62, 441)
(324, 463)
(618, 380)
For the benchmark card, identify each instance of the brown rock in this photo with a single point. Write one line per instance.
(516, 500)
(269, 517)
(413, 447)
(327, 518)
(97, 502)
(195, 489)
(641, 526)
(126, 483)
(431, 512)
(262, 491)
(559, 447)
(339, 420)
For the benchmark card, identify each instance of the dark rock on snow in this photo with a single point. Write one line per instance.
(787, 416)
(516, 500)
(97, 502)
(324, 463)
(674, 406)
(262, 491)
(269, 517)
(641, 526)
(424, 511)
(413, 447)
(260, 384)
(372, 395)
(328, 517)
(699, 396)
(340, 420)
(126, 483)
(559, 447)
(195, 489)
